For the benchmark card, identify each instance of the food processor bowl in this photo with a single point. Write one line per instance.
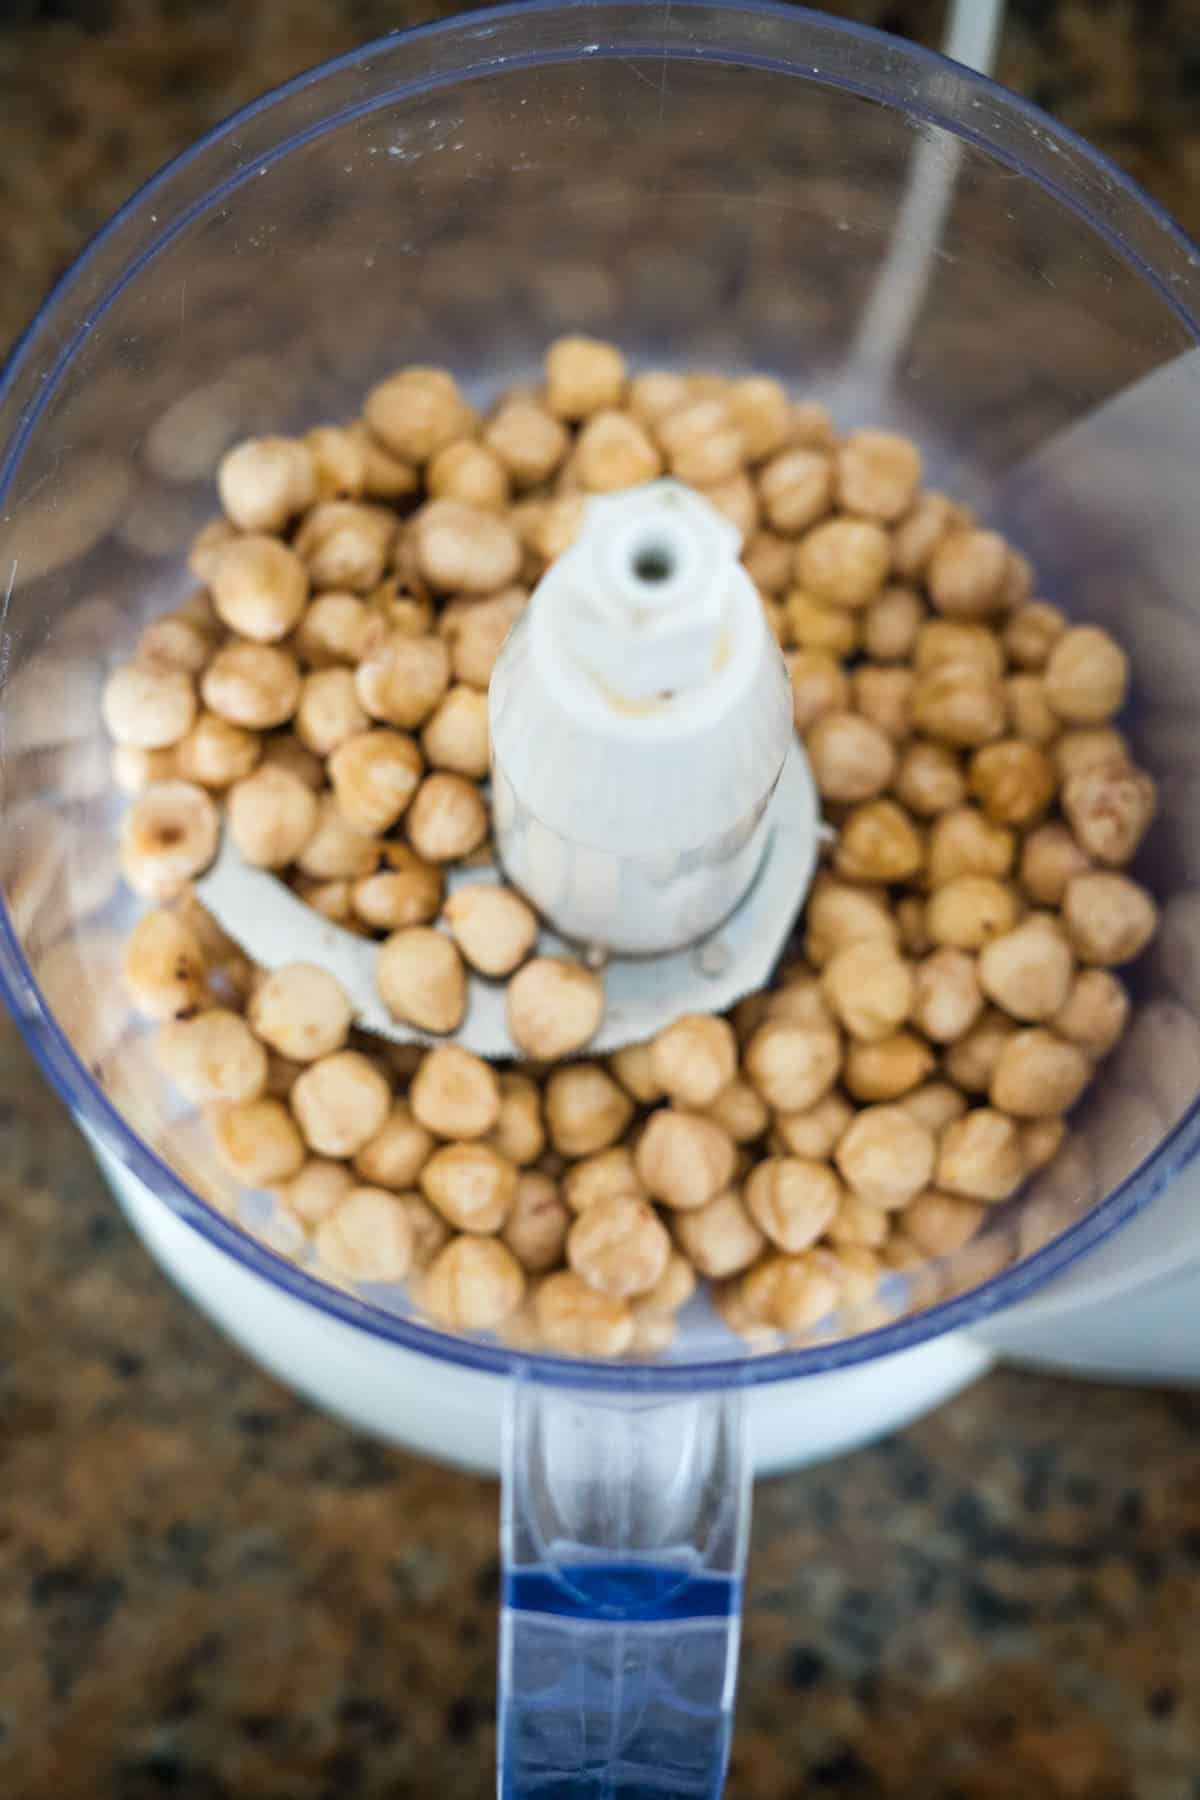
(709, 185)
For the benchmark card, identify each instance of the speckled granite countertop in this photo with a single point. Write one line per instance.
(209, 1592)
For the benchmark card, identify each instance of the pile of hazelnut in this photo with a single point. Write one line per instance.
(951, 986)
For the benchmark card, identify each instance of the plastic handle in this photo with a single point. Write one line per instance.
(624, 1529)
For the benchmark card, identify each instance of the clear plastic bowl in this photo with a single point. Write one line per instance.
(708, 185)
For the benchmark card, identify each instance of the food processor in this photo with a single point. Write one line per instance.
(743, 187)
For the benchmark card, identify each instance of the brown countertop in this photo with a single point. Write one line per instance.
(209, 1592)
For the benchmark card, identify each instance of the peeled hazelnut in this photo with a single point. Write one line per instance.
(1087, 747)
(519, 1132)
(869, 987)
(634, 1069)
(842, 562)
(1013, 780)
(1109, 919)
(583, 376)
(259, 588)
(447, 818)
(812, 624)
(612, 452)
(148, 707)
(881, 694)
(1095, 1012)
(456, 736)
(954, 641)
(792, 1200)
(693, 1059)
(966, 573)
(971, 1060)
(254, 685)
(554, 1007)
(878, 842)
(967, 912)
(1050, 857)
(416, 412)
(576, 1320)
(1041, 1140)
(374, 775)
(939, 1224)
(461, 550)
(421, 979)
(1028, 970)
(265, 481)
(397, 1153)
(857, 1224)
(888, 1068)
(258, 1142)
(455, 1094)
(684, 1160)
(792, 1065)
(947, 998)
(473, 1284)
(796, 489)
(980, 1156)
(585, 1109)
(471, 1186)
(918, 534)
(793, 1293)
(345, 545)
(1109, 808)
(469, 472)
(215, 753)
(814, 1132)
(878, 473)
(1038, 1074)
(1030, 714)
(1032, 633)
(818, 687)
(340, 1102)
(408, 891)
(213, 1057)
(271, 815)
(367, 1236)
(891, 623)
(402, 678)
(529, 441)
(301, 1011)
(493, 927)
(719, 1239)
(336, 851)
(164, 966)
(935, 1104)
(958, 703)
(763, 409)
(536, 1228)
(168, 836)
(839, 912)
(1086, 676)
(619, 1246)
(768, 561)
(702, 442)
(601, 1177)
(928, 779)
(852, 759)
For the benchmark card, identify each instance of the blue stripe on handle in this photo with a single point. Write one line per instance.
(622, 1590)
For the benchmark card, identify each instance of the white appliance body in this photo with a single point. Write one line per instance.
(1127, 1311)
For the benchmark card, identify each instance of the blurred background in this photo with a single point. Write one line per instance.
(208, 1592)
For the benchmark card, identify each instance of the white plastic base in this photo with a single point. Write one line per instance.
(453, 1414)
(1129, 1310)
